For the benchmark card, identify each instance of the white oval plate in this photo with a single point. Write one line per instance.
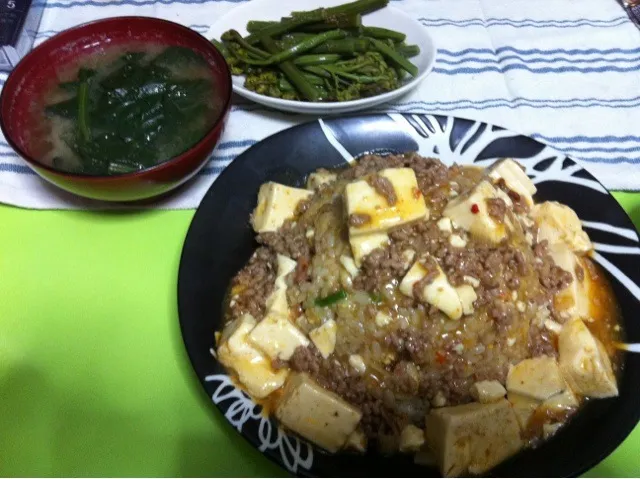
(388, 17)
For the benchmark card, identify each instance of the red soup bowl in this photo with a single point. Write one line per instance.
(37, 73)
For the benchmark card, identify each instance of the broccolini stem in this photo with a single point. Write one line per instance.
(347, 46)
(221, 48)
(292, 73)
(298, 49)
(359, 6)
(383, 33)
(338, 21)
(320, 59)
(394, 57)
(257, 25)
(276, 30)
(234, 36)
(408, 51)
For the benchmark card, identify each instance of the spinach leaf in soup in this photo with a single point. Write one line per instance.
(136, 111)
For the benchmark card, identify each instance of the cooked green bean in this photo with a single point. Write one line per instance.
(359, 6)
(292, 73)
(395, 57)
(345, 46)
(257, 25)
(408, 51)
(383, 33)
(319, 59)
(340, 21)
(298, 49)
(234, 36)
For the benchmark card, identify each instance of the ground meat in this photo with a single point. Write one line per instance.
(302, 207)
(497, 208)
(384, 188)
(301, 272)
(541, 342)
(254, 283)
(306, 360)
(410, 344)
(404, 378)
(359, 219)
(278, 364)
(520, 205)
(551, 276)
(503, 315)
(447, 383)
(540, 250)
(430, 173)
(380, 267)
(290, 240)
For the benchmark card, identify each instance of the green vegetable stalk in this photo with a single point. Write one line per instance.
(305, 56)
(298, 49)
(331, 299)
(395, 57)
(83, 110)
(292, 73)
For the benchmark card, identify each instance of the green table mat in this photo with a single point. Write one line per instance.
(94, 379)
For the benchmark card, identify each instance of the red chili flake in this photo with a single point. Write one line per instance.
(416, 193)
(440, 357)
(475, 209)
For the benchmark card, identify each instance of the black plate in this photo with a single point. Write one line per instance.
(220, 241)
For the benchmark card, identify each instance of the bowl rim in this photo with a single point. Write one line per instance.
(16, 74)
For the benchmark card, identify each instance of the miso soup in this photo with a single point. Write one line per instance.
(128, 108)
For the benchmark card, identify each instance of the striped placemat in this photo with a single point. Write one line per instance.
(565, 72)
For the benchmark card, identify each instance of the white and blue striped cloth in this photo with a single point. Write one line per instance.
(566, 72)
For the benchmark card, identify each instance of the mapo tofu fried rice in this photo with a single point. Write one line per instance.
(404, 305)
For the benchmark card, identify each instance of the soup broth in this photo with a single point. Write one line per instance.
(126, 109)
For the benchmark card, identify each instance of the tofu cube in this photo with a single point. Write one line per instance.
(557, 223)
(472, 438)
(277, 303)
(523, 407)
(277, 337)
(276, 204)
(549, 430)
(438, 293)
(488, 391)
(560, 402)
(467, 296)
(357, 441)
(469, 211)
(575, 298)
(585, 363)
(514, 177)
(362, 245)
(324, 337)
(315, 413)
(349, 265)
(277, 300)
(357, 363)
(411, 439)
(319, 178)
(362, 199)
(538, 378)
(252, 367)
